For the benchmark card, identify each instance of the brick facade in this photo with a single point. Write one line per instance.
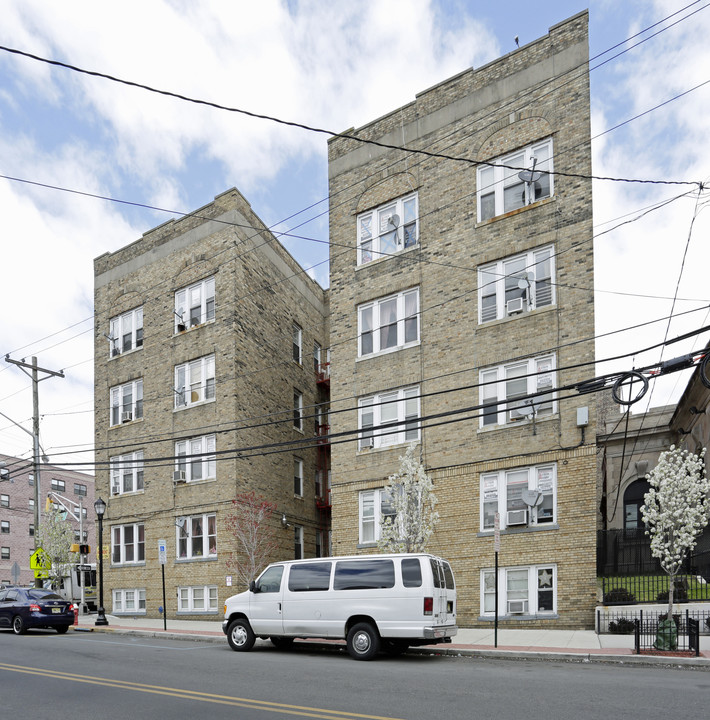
(537, 92)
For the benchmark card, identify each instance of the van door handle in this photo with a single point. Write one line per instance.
(279, 608)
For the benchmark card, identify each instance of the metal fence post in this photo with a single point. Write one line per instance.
(637, 636)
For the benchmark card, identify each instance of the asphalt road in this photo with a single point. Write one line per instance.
(107, 676)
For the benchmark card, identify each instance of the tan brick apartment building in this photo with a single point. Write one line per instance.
(461, 310)
(460, 315)
(206, 332)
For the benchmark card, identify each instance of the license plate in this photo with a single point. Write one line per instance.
(56, 610)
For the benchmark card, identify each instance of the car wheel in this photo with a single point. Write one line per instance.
(18, 625)
(363, 641)
(61, 629)
(282, 643)
(394, 647)
(240, 635)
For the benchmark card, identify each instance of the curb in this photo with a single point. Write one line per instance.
(472, 652)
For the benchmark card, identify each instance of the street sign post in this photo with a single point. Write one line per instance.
(496, 547)
(162, 558)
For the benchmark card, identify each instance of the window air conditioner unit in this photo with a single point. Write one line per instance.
(179, 476)
(127, 416)
(115, 490)
(367, 442)
(517, 607)
(517, 517)
(515, 306)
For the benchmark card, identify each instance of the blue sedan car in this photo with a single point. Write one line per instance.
(23, 608)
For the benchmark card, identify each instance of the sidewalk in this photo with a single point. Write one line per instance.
(560, 645)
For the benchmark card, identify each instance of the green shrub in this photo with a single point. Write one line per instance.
(619, 595)
(622, 626)
(680, 593)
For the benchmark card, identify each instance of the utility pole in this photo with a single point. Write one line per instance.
(35, 422)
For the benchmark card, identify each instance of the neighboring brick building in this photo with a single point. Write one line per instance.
(17, 512)
(207, 332)
(462, 317)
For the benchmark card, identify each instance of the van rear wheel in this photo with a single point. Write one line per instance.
(363, 641)
(240, 635)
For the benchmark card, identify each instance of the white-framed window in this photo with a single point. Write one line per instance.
(297, 542)
(297, 350)
(317, 355)
(389, 418)
(127, 473)
(197, 598)
(126, 402)
(517, 391)
(81, 537)
(374, 506)
(389, 323)
(129, 600)
(516, 285)
(126, 332)
(202, 461)
(5, 527)
(128, 544)
(298, 477)
(80, 489)
(195, 382)
(298, 409)
(506, 492)
(58, 485)
(515, 180)
(4, 553)
(194, 305)
(197, 537)
(4, 501)
(388, 229)
(530, 590)
(32, 504)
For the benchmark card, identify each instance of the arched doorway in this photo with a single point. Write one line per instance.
(633, 500)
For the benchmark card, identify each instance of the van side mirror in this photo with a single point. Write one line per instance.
(252, 586)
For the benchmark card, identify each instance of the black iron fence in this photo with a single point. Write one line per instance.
(639, 589)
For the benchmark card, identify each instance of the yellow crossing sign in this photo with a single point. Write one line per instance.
(39, 560)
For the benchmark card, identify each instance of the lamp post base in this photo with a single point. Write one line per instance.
(101, 617)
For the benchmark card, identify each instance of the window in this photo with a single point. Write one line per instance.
(5, 553)
(521, 590)
(363, 574)
(80, 537)
(387, 229)
(30, 480)
(503, 492)
(390, 324)
(129, 601)
(194, 305)
(515, 392)
(197, 537)
(4, 501)
(374, 506)
(298, 477)
(5, 527)
(58, 485)
(320, 540)
(197, 598)
(270, 580)
(196, 459)
(309, 577)
(411, 572)
(297, 344)
(32, 530)
(126, 332)
(317, 354)
(297, 542)
(390, 418)
(516, 285)
(31, 503)
(79, 489)
(503, 189)
(195, 382)
(128, 544)
(298, 410)
(127, 473)
(126, 402)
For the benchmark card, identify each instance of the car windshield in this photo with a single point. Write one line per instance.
(39, 594)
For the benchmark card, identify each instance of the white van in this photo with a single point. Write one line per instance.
(374, 602)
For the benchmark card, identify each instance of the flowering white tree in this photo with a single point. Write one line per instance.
(676, 509)
(413, 503)
(55, 537)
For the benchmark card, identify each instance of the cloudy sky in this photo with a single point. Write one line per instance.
(68, 139)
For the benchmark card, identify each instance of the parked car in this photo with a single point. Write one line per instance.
(374, 602)
(23, 608)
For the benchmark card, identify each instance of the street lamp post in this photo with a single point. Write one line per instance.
(100, 508)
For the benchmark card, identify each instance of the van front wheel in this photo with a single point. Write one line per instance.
(363, 641)
(240, 635)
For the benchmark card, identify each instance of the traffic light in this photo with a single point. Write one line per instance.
(84, 549)
(49, 504)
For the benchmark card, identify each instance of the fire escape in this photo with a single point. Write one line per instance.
(323, 505)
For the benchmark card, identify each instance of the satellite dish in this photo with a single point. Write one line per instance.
(393, 220)
(525, 281)
(532, 175)
(532, 498)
